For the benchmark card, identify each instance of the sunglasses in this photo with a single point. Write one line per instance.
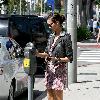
(50, 25)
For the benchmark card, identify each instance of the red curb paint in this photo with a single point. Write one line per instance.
(89, 46)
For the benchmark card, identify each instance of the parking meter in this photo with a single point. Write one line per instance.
(29, 62)
(30, 67)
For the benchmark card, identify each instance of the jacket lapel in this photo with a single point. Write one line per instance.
(52, 40)
(57, 41)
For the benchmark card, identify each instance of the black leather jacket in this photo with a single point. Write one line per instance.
(62, 47)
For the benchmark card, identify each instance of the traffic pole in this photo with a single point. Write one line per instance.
(72, 29)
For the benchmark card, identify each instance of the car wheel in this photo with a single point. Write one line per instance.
(11, 93)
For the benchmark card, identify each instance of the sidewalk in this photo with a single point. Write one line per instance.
(88, 82)
(87, 87)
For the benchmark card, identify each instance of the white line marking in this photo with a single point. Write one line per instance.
(89, 60)
(94, 58)
(90, 51)
(90, 55)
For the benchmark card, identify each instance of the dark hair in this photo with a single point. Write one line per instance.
(57, 17)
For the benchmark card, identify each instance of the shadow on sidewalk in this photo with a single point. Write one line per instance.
(36, 94)
(43, 95)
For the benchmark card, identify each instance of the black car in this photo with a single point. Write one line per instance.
(28, 28)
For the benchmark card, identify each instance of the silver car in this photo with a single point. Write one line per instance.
(13, 79)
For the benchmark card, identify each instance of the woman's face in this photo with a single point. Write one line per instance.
(52, 25)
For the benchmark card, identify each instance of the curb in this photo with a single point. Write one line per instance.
(89, 46)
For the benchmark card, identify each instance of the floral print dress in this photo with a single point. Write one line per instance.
(56, 73)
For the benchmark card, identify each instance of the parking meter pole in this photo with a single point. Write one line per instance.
(30, 66)
(30, 87)
(30, 77)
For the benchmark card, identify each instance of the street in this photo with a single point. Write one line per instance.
(38, 90)
(89, 54)
(24, 96)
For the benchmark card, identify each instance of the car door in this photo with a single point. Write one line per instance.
(12, 63)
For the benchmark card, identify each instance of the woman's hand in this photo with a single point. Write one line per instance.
(52, 59)
(36, 53)
(42, 55)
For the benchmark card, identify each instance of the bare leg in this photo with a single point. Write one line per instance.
(50, 94)
(58, 94)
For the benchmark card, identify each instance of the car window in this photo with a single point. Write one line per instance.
(36, 26)
(3, 27)
(32, 28)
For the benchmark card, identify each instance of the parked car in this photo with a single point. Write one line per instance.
(19, 31)
(28, 28)
(11, 67)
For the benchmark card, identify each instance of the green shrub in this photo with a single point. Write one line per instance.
(83, 33)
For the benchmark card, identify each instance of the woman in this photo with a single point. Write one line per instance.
(57, 54)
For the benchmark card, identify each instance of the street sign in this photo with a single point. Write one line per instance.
(51, 3)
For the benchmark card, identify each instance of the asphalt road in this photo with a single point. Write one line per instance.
(24, 95)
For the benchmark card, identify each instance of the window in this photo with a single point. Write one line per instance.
(3, 27)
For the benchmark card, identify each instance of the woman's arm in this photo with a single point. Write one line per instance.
(42, 55)
(65, 59)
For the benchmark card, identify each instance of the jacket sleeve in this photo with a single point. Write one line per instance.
(68, 47)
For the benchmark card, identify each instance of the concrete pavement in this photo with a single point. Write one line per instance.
(87, 86)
